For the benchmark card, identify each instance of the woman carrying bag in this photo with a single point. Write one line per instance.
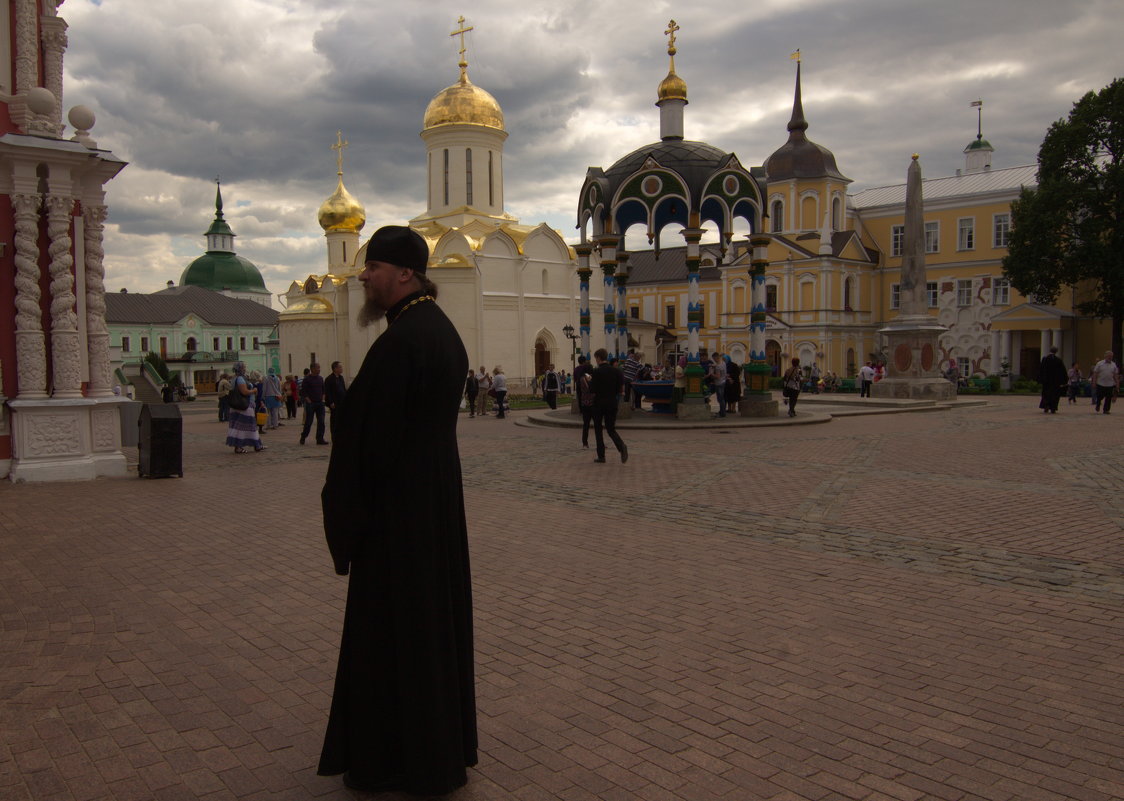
(791, 390)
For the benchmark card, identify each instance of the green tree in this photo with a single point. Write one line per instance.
(1068, 232)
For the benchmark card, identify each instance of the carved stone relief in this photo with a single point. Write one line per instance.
(52, 435)
(105, 425)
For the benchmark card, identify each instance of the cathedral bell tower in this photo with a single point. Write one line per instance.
(464, 135)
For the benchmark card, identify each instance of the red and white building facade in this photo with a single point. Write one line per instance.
(59, 417)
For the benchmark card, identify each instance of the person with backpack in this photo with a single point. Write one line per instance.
(551, 386)
(585, 397)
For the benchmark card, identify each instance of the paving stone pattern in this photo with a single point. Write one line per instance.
(904, 607)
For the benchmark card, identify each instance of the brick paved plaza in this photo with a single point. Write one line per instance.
(907, 606)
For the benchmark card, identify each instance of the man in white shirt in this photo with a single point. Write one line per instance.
(866, 376)
(1106, 381)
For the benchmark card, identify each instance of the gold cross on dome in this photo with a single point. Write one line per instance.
(670, 33)
(338, 147)
(461, 31)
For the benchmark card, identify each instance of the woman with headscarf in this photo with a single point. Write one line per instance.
(242, 430)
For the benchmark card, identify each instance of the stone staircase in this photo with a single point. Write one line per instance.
(143, 389)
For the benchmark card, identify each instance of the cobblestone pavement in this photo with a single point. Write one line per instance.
(906, 607)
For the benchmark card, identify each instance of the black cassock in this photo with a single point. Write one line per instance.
(404, 709)
(1053, 377)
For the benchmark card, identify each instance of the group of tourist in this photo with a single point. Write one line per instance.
(1104, 382)
(480, 386)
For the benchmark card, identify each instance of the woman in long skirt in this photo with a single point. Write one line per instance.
(242, 431)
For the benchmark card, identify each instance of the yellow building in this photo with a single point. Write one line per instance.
(834, 266)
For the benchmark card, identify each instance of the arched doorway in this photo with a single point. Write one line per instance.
(773, 355)
(542, 357)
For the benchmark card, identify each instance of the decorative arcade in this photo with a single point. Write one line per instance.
(674, 182)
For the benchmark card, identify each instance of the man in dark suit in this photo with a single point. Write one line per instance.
(403, 712)
(335, 390)
(606, 383)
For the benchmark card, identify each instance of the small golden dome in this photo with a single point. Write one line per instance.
(463, 103)
(672, 88)
(342, 212)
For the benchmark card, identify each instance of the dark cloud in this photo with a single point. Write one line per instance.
(255, 92)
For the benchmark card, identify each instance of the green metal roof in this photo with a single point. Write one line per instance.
(219, 270)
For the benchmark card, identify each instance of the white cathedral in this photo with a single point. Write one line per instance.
(510, 289)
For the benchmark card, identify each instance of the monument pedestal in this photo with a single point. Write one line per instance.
(66, 440)
(913, 373)
(693, 409)
(758, 406)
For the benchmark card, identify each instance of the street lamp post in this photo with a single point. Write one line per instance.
(568, 330)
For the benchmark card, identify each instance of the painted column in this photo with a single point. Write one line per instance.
(995, 368)
(65, 358)
(97, 333)
(622, 310)
(1056, 341)
(1005, 350)
(31, 348)
(1043, 343)
(584, 273)
(694, 313)
(757, 371)
(608, 246)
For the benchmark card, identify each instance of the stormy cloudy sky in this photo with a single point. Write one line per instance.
(254, 91)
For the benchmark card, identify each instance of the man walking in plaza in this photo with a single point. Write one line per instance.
(312, 393)
(551, 386)
(866, 378)
(606, 382)
(403, 712)
(1053, 377)
(335, 391)
(1105, 379)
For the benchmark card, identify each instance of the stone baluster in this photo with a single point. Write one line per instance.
(97, 332)
(65, 357)
(31, 350)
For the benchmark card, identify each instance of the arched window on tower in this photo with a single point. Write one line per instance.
(446, 176)
(776, 216)
(848, 294)
(468, 175)
(545, 282)
(836, 215)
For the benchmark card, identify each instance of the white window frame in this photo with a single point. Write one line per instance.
(964, 292)
(932, 293)
(964, 365)
(895, 296)
(1000, 230)
(933, 243)
(966, 233)
(1000, 292)
(897, 240)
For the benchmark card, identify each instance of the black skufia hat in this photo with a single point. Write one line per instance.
(399, 245)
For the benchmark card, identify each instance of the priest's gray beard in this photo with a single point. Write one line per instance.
(370, 312)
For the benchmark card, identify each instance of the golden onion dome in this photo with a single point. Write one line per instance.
(672, 88)
(342, 212)
(463, 103)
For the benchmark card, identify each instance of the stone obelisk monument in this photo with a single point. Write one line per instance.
(913, 371)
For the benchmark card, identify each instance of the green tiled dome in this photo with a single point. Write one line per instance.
(218, 270)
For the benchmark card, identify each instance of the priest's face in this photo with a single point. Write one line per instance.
(381, 290)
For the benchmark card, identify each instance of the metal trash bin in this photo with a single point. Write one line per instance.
(161, 441)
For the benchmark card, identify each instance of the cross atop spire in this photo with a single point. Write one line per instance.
(461, 31)
(338, 147)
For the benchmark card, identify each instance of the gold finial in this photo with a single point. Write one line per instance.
(461, 31)
(338, 147)
(670, 34)
(916, 156)
(795, 55)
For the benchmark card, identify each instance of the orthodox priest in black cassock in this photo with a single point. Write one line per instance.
(1054, 378)
(403, 711)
